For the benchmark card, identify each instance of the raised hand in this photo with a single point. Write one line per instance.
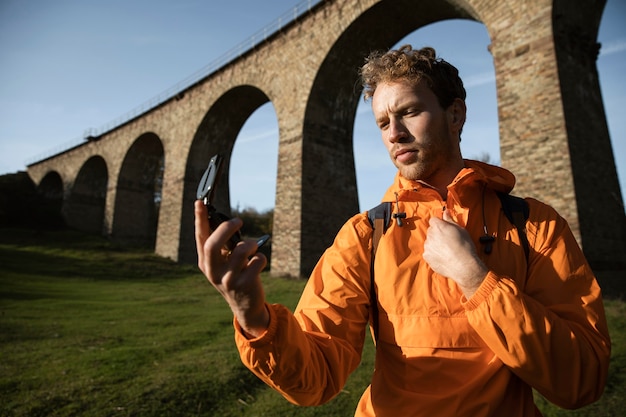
(235, 274)
(450, 252)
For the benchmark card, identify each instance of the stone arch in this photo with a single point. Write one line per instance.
(328, 161)
(216, 134)
(50, 193)
(138, 194)
(84, 208)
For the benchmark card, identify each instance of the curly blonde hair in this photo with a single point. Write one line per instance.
(413, 65)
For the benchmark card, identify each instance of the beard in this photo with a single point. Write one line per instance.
(420, 166)
(426, 159)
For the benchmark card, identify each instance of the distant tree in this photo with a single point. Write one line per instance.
(255, 223)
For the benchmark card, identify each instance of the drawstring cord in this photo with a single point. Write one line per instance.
(398, 215)
(486, 239)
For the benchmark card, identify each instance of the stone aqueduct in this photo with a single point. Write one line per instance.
(552, 126)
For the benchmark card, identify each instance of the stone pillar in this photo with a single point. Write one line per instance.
(552, 125)
(287, 234)
(598, 198)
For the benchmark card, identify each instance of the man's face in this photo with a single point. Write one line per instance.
(421, 137)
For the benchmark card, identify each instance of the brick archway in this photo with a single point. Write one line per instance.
(216, 134)
(84, 208)
(136, 199)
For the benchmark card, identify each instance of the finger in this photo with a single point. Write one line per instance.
(220, 236)
(257, 263)
(201, 229)
(435, 222)
(448, 217)
(243, 252)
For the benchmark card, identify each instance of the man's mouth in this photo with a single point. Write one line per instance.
(404, 155)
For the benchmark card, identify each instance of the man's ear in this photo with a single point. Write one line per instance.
(456, 113)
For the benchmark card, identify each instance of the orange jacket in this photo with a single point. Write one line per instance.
(538, 324)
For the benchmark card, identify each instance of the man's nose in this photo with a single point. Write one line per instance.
(397, 131)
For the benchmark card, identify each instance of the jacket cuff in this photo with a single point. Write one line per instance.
(486, 288)
(265, 338)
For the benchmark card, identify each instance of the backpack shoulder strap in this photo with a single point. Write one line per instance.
(517, 211)
(378, 217)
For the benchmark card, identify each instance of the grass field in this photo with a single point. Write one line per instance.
(88, 328)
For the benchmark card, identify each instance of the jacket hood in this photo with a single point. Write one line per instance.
(496, 178)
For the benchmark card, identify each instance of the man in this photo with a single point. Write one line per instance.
(463, 331)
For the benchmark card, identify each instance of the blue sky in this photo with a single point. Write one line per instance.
(72, 65)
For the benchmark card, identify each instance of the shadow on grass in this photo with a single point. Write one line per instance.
(70, 254)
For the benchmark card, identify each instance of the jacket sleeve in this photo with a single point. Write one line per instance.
(308, 356)
(549, 328)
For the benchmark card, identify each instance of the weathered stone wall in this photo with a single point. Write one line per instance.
(308, 71)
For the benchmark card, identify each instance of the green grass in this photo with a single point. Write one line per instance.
(88, 328)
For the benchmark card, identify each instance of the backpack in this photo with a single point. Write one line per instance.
(515, 209)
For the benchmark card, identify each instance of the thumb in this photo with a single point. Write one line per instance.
(448, 217)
